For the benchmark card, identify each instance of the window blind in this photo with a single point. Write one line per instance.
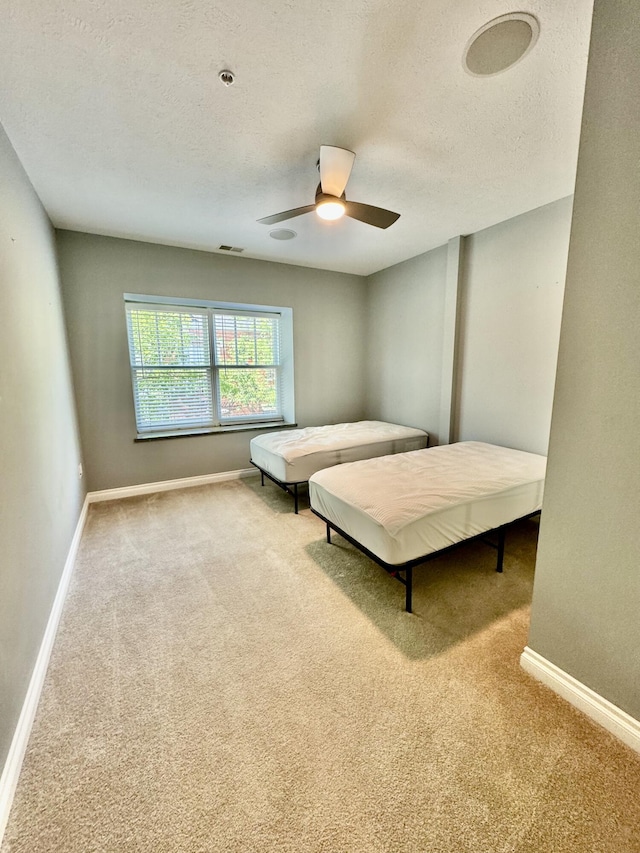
(198, 367)
(247, 360)
(171, 367)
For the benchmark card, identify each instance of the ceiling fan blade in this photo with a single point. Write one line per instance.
(377, 216)
(335, 168)
(287, 214)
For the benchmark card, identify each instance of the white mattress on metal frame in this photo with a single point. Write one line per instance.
(413, 504)
(292, 456)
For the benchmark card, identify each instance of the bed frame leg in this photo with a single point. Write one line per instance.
(408, 588)
(295, 498)
(328, 534)
(501, 537)
(262, 478)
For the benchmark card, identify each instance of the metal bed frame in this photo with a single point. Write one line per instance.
(407, 568)
(286, 487)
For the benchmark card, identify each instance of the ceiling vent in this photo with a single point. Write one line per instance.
(230, 249)
(500, 44)
(282, 234)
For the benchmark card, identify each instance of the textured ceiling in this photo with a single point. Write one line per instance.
(117, 113)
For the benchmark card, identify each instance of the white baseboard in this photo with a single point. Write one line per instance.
(167, 485)
(13, 765)
(605, 713)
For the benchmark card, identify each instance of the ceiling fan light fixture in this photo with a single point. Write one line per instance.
(330, 209)
(330, 202)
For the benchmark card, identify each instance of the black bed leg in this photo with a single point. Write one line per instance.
(328, 534)
(501, 535)
(408, 588)
(262, 478)
(295, 498)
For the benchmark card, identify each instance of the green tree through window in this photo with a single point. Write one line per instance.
(199, 367)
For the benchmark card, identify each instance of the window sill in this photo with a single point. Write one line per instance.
(156, 436)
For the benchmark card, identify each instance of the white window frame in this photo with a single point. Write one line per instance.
(284, 369)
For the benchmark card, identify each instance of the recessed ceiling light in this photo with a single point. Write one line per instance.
(282, 234)
(500, 44)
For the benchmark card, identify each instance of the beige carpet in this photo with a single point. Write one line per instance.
(224, 680)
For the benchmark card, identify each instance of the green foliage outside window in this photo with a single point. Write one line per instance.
(171, 356)
(247, 392)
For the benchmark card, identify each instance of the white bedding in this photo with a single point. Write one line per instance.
(292, 456)
(413, 504)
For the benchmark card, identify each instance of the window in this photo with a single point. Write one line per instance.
(201, 366)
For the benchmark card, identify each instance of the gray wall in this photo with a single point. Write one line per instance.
(363, 347)
(404, 341)
(40, 493)
(511, 303)
(510, 306)
(328, 322)
(586, 603)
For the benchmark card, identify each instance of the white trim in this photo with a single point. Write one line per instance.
(167, 485)
(179, 301)
(13, 764)
(608, 715)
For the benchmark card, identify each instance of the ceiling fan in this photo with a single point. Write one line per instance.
(335, 166)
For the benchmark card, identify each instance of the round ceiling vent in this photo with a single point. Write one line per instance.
(500, 44)
(282, 234)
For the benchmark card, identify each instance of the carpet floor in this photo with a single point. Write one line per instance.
(225, 680)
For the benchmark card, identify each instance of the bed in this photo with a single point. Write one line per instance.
(403, 510)
(289, 457)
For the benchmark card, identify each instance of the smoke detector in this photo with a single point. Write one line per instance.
(226, 77)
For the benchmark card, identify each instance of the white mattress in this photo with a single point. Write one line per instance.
(292, 456)
(411, 505)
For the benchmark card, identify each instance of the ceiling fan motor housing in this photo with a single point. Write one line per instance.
(320, 196)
